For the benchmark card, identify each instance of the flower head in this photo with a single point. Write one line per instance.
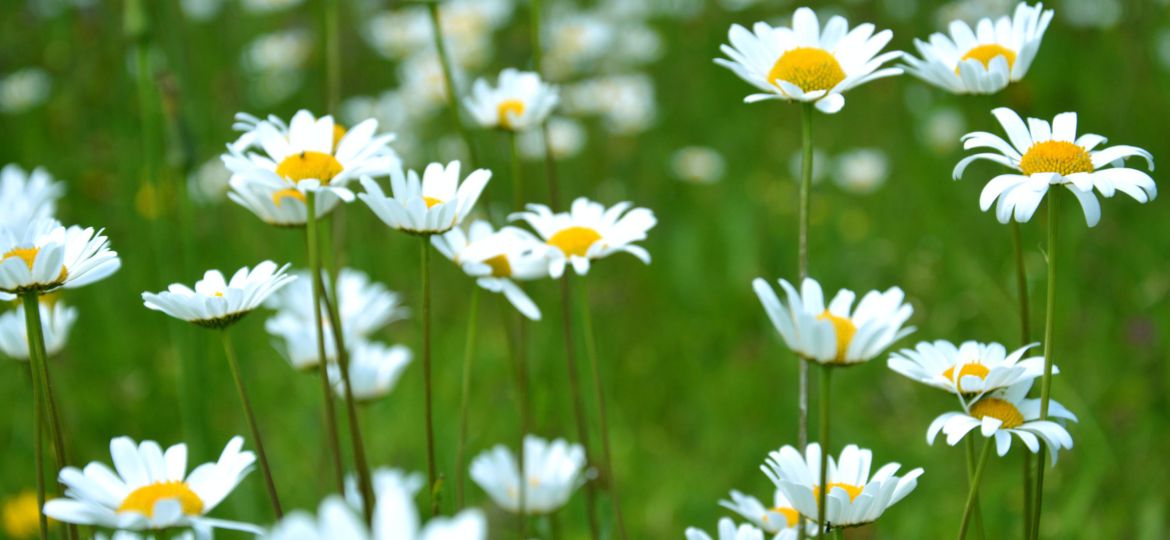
(588, 231)
(42, 256)
(432, 204)
(496, 258)
(552, 471)
(971, 368)
(728, 531)
(27, 196)
(519, 102)
(216, 302)
(56, 321)
(778, 518)
(374, 368)
(1003, 414)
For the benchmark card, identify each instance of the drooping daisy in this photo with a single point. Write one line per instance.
(1053, 155)
(27, 196)
(984, 59)
(43, 255)
(151, 489)
(519, 102)
(433, 204)
(588, 231)
(806, 62)
(1005, 413)
(855, 497)
(779, 517)
(971, 369)
(216, 302)
(496, 258)
(838, 334)
(552, 471)
(728, 531)
(56, 321)
(374, 368)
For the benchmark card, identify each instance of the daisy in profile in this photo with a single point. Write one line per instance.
(855, 496)
(519, 102)
(56, 321)
(1004, 414)
(1044, 155)
(728, 531)
(374, 369)
(216, 302)
(983, 59)
(432, 204)
(808, 62)
(837, 333)
(42, 255)
(496, 258)
(781, 517)
(971, 368)
(27, 196)
(151, 489)
(553, 470)
(588, 231)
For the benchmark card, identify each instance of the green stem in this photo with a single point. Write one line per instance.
(518, 349)
(432, 475)
(517, 174)
(1025, 338)
(973, 493)
(39, 447)
(534, 34)
(465, 399)
(825, 398)
(554, 526)
(332, 57)
(806, 170)
(311, 246)
(234, 365)
(578, 402)
(39, 362)
(449, 79)
(1049, 331)
(971, 457)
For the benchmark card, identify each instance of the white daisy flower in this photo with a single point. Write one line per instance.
(27, 196)
(43, 255)
(151, 489)
(778, 518)
(588, 231)
(216, 302)
(309, 154)
(127, 535)
(1053, 155)
(971, 369)
(1003, 414)
(519, 102)
(728, 531)
(983, 59)
(496, 258)
(56, 321)
(806, 62)
(276, 204)
(552, 471)
(838, 334)
(855, 497)
(435, 204)
(374, 369)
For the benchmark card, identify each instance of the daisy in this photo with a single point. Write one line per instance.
(983, 59)
(43, 255)
(552, 471)
(56, 321)
(521, 101)
(27, 196)
(1002, 414)
(728, 531)
(588, 231)
(374, 368)
(837, 334)
(780, 517)
(971, 369)
(151, 489)
(276, 204)
(1047, 155)
(496, 258)
(435, 204)
(855, 497)
(216, 302)
(805, 62)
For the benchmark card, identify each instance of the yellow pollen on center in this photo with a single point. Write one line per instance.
(143, 499)
(1000, 410)
(574, 240)
(1061, 157)
(338, 134)
(986, 53)
(809, 68)
(791, 516)
(290, 193)
(309, 166)
(851, 489)
(976, 369)
(29, 256)
(500, 266)
(507, 109)
(845, 330)
(431, 201)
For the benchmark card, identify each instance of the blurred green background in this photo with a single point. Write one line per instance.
(701, 387)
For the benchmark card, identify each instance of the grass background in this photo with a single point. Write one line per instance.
(701, 386)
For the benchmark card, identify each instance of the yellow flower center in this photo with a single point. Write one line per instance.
(976, 369)
(851, 489)
(809, 68)
(22, 516)
(845, 330)
(29, 256)
(1060, 157)
(986, 53)
(791, 516)
(574, 240)
(500, 266)
(309, 165)
(143, 499)
(290, 193)
(1000, 410)
(338, 134)
(508, 109)
(431, 201)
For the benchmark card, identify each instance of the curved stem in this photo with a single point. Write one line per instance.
(465, 399)
(39, 361)
(234, 365)
(449, 79)
(578, 402)
(1049, 332)
(973, 493)
(825, 398)
(323, 358)
(432, 475)
(1025, 338)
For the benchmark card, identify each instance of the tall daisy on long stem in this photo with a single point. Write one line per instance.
(217, 303)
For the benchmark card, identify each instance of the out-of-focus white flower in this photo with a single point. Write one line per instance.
(552, 471)
(496, 258)
(574, 42)
(269, 6)
(374, 368)
(566, 135)
(943, 128)
(697, 164)
(27, 196)
(861, 171)
(626, 103)
(56, 321)
(520, 101)
(24, 89)
(821, 161)
(1101, 14)
(201, 10)
(424, 86)
(209, 183)
(277, 51)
